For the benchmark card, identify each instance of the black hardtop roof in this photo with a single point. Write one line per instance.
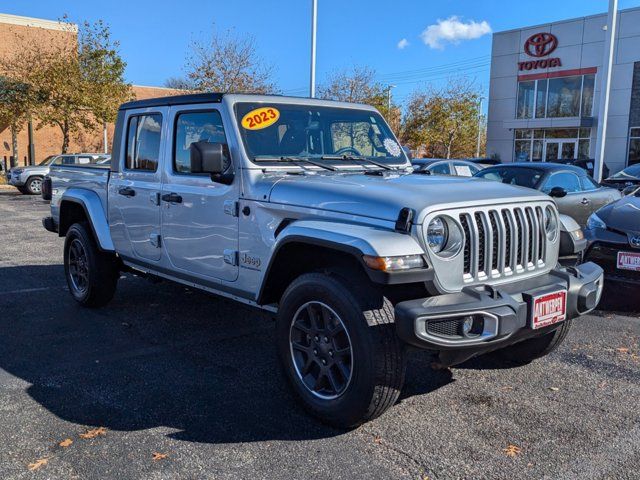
(174, 100)
(540, 166)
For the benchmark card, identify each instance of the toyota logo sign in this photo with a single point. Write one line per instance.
(634, 240)
(540, 44)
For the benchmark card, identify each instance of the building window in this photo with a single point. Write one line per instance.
(553, 144)
(560, 97)
(634, 146)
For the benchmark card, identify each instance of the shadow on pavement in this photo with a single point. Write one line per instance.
(159, 355)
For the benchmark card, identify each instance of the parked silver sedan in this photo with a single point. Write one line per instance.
(575, 192)
(28, 179)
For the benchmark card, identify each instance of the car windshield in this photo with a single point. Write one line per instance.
(521, 176)
(47, 160)
(276, 130)
(632, 172)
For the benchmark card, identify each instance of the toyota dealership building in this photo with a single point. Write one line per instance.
(545, 90)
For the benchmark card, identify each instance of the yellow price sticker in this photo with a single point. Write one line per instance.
(260, 118)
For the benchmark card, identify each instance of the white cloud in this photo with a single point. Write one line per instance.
(402, 44)
(453, 30)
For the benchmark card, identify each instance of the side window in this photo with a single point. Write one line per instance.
(464, 169)
(440, 168)
(143, 142)
(567, 180)
(195, 127)
(588, 183)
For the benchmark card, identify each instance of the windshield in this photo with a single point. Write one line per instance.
(47, 160)
(523, 177)
(632, 172)
(272, 131)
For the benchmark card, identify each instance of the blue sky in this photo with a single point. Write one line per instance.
(155, 35)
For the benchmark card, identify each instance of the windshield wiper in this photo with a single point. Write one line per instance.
(294, 160)
(357, 159)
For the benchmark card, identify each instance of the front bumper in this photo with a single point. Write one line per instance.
(505, 311)
(15, 180)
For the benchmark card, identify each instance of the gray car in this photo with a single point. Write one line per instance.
(575, 192)
(437, 166)
(28, 179)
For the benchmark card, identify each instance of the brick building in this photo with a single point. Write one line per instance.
(48, 140)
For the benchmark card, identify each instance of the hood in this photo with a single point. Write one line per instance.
(30, 168)
(383, 197)
(622, 215)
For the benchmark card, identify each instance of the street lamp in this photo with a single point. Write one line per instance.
(389, 87)
(479, 127)
(314, 25)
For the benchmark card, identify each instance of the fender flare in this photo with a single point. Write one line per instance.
(93, 209)
(356, 240)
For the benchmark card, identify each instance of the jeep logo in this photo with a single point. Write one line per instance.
(250, 261)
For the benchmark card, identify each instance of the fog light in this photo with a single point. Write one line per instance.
(467, 326)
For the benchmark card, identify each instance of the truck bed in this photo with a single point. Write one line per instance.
(87, 177)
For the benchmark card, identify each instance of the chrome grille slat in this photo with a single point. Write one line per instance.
(503, 241)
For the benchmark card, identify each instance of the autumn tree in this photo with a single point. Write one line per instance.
(359, 85)
(228, 63)
(444, 121)
(16, 103)
(72, 86)
(179, 83)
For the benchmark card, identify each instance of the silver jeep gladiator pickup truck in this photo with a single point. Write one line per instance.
(308, 209)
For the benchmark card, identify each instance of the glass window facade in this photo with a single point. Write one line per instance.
(531, 145)
(634, 146)
(560, 97)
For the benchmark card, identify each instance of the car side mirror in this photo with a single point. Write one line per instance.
(558, 192)
(210, 158)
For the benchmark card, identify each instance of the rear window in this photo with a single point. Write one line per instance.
(143, 142)
(523, 177)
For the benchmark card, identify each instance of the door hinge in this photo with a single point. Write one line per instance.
(231, 257)
(155, 240)
(231, 207)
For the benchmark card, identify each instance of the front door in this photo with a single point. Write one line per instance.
(560, 150)
(199, 216)
(134, 211)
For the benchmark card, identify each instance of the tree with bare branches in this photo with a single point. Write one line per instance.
(228, 63)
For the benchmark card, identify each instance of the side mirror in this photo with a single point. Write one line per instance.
(558, 192)
(210, 158)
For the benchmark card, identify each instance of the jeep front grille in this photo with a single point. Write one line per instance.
(501, 242)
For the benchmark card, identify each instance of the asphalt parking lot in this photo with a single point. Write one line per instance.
(171, 383)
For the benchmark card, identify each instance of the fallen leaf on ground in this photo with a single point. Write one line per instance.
(622, 350)
(38, 463)
(93, 433)
(159, 456)
(377, 439)
(554, 389)
(66, 443)
(512, 450)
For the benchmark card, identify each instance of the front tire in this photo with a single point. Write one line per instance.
(91, 275)
(33, 185)
(339, 349)
(525, 352)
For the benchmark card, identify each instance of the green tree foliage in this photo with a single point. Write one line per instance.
(72, 86)
(443, 122)
(16, 103)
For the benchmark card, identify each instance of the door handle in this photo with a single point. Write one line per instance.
(127, 192)
(171, 198)
(585, 201)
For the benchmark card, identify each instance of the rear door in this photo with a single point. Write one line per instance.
(134, 190)
(199, 216)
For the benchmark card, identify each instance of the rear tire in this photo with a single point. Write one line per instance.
(91, 274)
(339, 349)
(525, 352)
(34, 185)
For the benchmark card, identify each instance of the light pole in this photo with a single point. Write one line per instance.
(314, 22)
(603, 113)
(389, 87)
(479, 127)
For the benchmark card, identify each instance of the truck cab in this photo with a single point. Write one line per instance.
(308, 209)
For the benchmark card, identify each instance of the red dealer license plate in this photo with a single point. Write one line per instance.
(629, 261)
(549, 308)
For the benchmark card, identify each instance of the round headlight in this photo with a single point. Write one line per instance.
(550, 223)
(437, 234)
